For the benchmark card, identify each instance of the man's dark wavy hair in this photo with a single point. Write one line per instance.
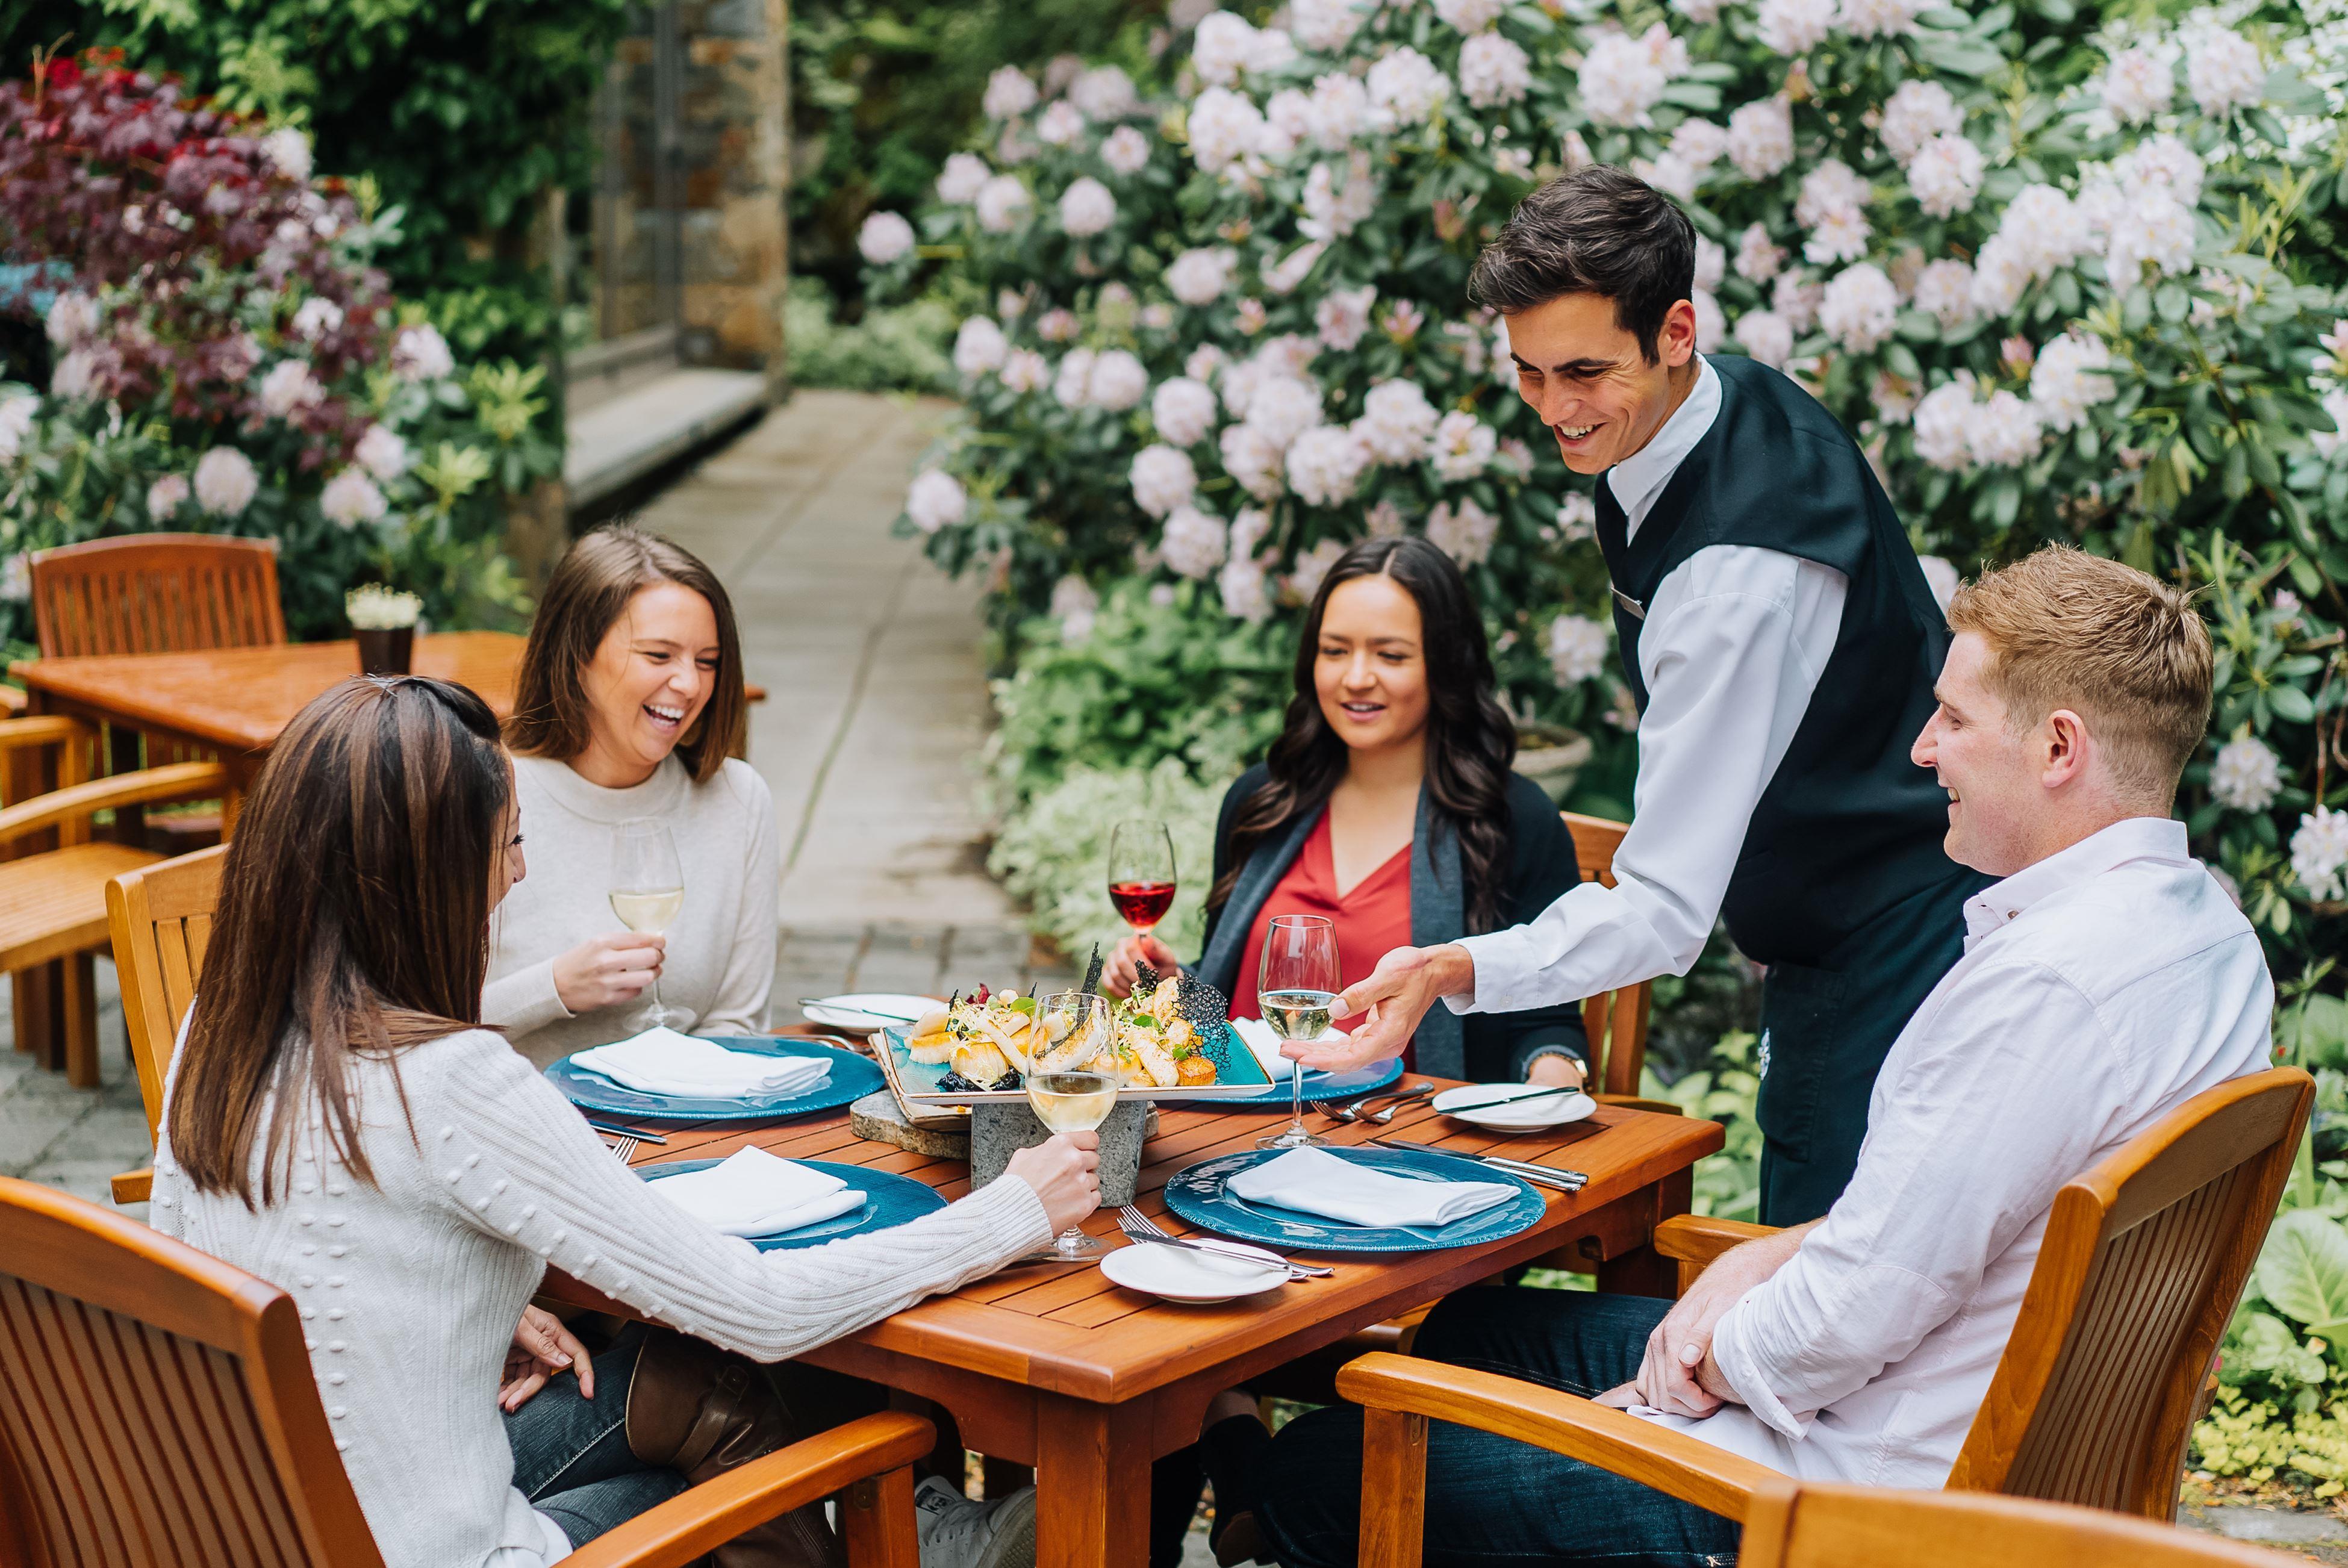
(1596, 230)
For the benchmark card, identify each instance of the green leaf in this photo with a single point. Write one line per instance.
(2303, 1270)
(2291, 703)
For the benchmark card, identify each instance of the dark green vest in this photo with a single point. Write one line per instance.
(1847, 826)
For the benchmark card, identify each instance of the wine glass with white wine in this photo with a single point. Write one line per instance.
(1295, 985)
(647, 891)
(1076, 1098)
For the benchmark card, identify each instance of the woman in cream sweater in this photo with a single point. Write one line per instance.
(631, 706)
(338, 1123)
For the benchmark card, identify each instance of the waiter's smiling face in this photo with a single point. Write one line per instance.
(1994, 774)
(1584, 373)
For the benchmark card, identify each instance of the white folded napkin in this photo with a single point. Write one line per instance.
(662, 1061)
(1316, 1181)
(753, 1193)
(1265, 1042)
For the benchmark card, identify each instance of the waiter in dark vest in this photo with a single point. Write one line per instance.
(1781, 643)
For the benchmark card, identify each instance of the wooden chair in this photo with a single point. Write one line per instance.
(157, 1410)
(53, 902)
(1616, 1021)
(160, 918)
(1796, 1525)
(2143, 1261)
(156, 594)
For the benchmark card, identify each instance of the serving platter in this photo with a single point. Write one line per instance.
(1238, 1076)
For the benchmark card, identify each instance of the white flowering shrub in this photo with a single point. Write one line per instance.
(2064, 280)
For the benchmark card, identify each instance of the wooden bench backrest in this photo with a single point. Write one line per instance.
(157, 1407)
(156, 594)
(1616, 1020)
(2143, 1263)
(1810, 1525)
(160, 918)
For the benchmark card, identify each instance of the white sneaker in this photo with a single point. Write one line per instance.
(956, 1532)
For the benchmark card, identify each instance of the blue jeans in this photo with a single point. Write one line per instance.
(571, 1457)
(1490, 1501)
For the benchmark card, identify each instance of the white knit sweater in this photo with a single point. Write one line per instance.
(409, 1289)
(721, 951)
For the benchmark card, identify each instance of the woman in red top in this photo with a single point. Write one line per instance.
(1387, 805)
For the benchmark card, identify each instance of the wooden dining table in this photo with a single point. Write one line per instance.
(1053, 1365)
(236, 701)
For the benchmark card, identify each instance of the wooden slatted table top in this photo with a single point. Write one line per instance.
(1066, 1329)
(240, 698)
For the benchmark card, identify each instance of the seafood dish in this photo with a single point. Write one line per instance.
(990, 1040)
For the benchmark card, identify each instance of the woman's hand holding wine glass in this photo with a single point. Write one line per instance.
(647, 893)
(608, 969)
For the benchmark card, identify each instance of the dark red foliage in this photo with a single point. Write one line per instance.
(176, 205)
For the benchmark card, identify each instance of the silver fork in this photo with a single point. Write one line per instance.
(625, 1147)
(1355, 1113)
(1139, 1227)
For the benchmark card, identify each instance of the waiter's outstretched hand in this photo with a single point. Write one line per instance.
(1405, 984)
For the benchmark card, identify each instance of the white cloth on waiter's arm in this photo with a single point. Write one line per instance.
(1264, 1041)
(1316, 1181)
(662, 1061)
(751, 1192)
(1734, 641)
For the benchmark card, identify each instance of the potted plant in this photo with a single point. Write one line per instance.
(384, 620)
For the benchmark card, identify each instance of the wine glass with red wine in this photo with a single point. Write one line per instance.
(1141, 874)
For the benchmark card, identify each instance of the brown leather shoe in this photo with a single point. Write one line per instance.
(701, 1411)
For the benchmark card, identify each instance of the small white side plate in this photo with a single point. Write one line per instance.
(1550, 1110)
(842, 1012)
(1178, 1274)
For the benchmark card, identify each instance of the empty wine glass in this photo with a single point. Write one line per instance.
(647, 891)
(1295, 984)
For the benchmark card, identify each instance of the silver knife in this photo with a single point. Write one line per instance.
(1268, 1259)
(1547, 1175)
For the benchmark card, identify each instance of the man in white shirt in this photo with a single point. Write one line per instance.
(2106, 979)
(1780, 642)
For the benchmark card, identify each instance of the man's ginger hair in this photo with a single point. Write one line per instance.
(2122, 649)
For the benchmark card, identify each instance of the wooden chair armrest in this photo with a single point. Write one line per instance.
(47, 730)
(1633, 1102)
(133, 1186)
(1659, 1456)
(180, 780)
(710, 1514)
(11, 701)
(1695, 1239)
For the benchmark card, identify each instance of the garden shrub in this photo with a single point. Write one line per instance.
(228, 357)
(2064, 278)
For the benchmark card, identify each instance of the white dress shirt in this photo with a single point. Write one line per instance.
(1733, 642)
(2099, 989)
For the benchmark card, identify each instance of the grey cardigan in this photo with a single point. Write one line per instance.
(1487, 1047)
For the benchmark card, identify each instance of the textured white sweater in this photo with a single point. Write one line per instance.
(409, 1289)
(721, 951)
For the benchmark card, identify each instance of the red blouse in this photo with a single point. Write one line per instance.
(1373, 918)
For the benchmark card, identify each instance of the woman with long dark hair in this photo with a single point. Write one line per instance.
(1387, 805)
(338, 1122)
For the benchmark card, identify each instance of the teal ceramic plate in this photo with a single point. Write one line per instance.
(852, 1077)
(889, 1201)
(1200, 1196)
